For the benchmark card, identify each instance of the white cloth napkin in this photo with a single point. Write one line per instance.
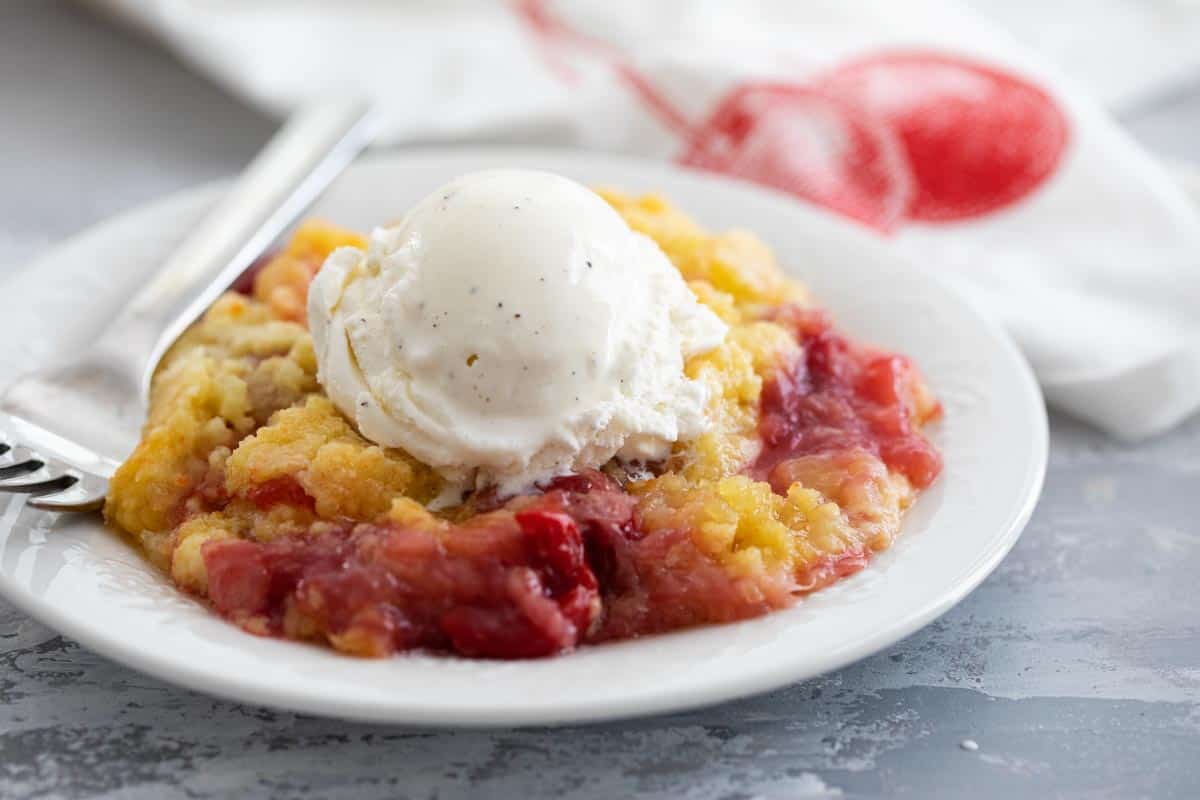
(1125, 52)
(916, 118)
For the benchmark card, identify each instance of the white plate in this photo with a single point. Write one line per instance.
(87, 582)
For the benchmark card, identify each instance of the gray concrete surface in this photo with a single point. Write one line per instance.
(1075, 668)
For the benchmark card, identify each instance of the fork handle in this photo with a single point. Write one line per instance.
(311, 149)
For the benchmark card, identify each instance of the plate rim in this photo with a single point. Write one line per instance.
(153, 663)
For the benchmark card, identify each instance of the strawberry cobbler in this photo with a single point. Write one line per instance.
(257, 488)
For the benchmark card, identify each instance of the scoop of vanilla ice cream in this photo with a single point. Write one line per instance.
(509, 329)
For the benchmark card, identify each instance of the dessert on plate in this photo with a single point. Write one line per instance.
(525, 417)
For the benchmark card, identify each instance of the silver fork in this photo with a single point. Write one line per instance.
(65, 429)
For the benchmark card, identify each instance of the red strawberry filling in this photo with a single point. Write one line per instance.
(840, 396)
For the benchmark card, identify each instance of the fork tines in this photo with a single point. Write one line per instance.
(52, 483)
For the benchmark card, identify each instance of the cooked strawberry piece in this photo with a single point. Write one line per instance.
(238, 579)
(676, 585)
(830, 570)
(553, 537)
(881, 377)
(503, 632)
(914, 457)
(286, 491)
